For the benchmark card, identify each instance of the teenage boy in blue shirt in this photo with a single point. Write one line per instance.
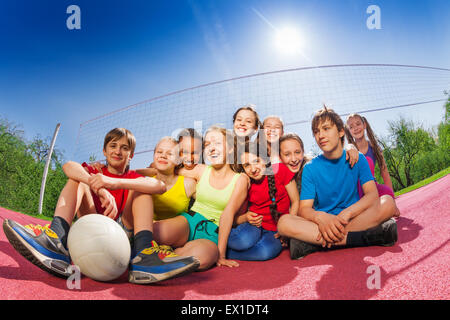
(331, 214)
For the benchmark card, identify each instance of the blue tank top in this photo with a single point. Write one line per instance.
(370, 154)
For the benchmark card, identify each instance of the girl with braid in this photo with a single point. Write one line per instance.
(272, 193)
(357, 127)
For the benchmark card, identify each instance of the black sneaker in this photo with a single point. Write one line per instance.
(39, 245)
(384, 234)
(147, 267)
(298, 249)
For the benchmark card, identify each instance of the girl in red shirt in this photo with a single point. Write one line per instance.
(272, 193)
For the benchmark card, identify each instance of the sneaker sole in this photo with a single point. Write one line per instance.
(140, 277)
(55, 267)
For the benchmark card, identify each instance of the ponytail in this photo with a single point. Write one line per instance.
(374, 143)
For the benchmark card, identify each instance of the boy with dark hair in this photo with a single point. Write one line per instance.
(331, 212)
(116, 192)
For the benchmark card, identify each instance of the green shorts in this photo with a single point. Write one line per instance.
(200, 227)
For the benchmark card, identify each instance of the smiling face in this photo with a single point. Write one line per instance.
(215, 149)
(117, 153)
(273, 129)
(244, 124)
(165, 157)
(190, 151)
(356, 127)
(291, 154)
(253, 166)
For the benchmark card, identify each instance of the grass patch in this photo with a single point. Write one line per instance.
(424, 182)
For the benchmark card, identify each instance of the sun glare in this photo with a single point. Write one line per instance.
(288, 40)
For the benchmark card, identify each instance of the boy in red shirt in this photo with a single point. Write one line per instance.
(116, 192)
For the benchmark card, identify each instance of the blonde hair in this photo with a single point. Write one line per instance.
(230, 139)
(273, 117)
(166, 138)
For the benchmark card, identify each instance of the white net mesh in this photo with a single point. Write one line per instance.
(294, 95)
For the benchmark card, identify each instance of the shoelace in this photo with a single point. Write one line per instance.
(165, 251)
(37, 228)
(150, 250)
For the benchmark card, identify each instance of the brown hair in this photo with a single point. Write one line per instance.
(119, 133)
(242, 140)
(251, 108)
(329, 114)
(189, 132)
(255, 149)
(192, 133)
(298, 175)
(373, 140)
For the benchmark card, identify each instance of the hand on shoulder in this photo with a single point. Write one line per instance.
(189, 186)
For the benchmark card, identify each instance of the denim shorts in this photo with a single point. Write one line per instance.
(128, 232)
(201, 228)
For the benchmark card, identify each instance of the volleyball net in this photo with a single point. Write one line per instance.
(293, 94)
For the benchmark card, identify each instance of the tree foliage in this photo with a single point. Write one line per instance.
(413, 153)
(21, 168)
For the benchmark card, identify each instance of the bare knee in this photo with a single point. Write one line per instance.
(204, 250)
(283, 224)
(173, 232)
(387, 208)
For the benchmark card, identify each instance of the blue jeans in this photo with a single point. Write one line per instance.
(247, 242)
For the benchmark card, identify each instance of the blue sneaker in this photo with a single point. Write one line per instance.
(148, 267)
(39, 245)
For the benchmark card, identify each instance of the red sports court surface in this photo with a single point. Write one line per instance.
(415, 268)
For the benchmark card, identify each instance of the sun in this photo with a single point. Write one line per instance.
(288, 40)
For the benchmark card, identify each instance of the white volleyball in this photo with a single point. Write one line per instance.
(99, 247)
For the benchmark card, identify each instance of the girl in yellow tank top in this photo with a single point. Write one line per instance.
(180, 189)
(172, 202)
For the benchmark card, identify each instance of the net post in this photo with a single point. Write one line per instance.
(47, 164)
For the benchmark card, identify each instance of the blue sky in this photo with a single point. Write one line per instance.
(130, 51)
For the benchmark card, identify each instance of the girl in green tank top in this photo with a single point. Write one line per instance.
(220, 192)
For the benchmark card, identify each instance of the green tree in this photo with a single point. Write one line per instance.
(39, 149)
(21, 169)
(402, 148)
